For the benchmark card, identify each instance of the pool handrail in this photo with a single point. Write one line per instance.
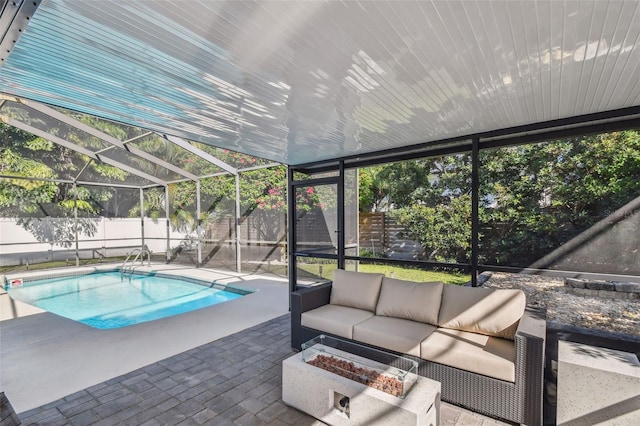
(139, 252)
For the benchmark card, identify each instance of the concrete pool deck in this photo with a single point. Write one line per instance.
(45, 357)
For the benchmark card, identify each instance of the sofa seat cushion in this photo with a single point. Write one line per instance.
(482, 310)
(410, 300)
(478, 353)
(395, 334)
(335, 319)
(355, 289)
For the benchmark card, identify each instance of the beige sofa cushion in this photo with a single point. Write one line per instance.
(486, 355)
(335, 319)
(395, 334)
(410, 300)
(482, 310)
(355, 289)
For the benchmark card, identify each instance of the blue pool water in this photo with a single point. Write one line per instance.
(106, 300)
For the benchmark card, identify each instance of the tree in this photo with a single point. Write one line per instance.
(545, 194)
(24, 155)
(443, 230)
(400, 182)
(370, 195)
(262, 196)
(30, 200)
(429, 198)
(533, 198)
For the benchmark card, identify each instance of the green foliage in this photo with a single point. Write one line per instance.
(533, 198)
(366, 253)
(400, 181)
(546, 194)
(262, 191)
(430, 198)
(20, 196)
(370, 195)
(153, 204)
(39, 144)
(46, 208)
(81, 205)
(444, 231)
(118, 131)
(109, 171)
(11, 163)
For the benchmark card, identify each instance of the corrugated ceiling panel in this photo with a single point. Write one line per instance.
(304, 81)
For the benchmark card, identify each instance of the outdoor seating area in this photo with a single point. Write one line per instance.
(481, 344)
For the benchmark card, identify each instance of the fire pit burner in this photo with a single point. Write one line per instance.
(358, 374)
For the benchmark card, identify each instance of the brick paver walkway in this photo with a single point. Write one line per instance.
(236, 380)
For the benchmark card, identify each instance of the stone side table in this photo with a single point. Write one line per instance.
(597, 386)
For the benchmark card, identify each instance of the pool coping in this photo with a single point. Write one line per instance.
(155, 273)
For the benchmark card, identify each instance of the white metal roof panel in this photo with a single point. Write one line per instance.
(304, 81)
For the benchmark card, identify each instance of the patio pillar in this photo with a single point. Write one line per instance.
(238, 248)
(166, 214)
(198, 225)
(357, 189)
(75, 220)
(475, 221)
(141, 219)
(291, 234)
(341, 219)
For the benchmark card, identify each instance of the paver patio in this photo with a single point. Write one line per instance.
(236, 380)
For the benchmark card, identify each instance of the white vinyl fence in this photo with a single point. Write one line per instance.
(49, 239)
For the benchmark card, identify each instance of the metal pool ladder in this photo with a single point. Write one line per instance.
(127, 269)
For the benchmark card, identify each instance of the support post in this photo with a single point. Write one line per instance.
(238, 247)
(475, 220)
(341, 219)
(357, 224)
(291, 234)
(166, 214)
(141, 219)
(75, 220)
(198, 224)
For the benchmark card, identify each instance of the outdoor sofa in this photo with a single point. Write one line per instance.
(485, 348)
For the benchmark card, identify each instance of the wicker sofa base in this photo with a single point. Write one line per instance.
(519, 401)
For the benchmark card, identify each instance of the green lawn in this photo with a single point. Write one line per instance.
(410, 274)
(417, 274)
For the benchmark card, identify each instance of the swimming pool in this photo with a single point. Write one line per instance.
(109, 300)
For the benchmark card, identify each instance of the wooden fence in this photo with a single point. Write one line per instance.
(379, 234)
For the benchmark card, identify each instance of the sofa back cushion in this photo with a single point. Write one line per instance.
(493, 312)
(355, 289)
(410, 300)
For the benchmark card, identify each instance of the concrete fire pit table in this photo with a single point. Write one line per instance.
(364, 387)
